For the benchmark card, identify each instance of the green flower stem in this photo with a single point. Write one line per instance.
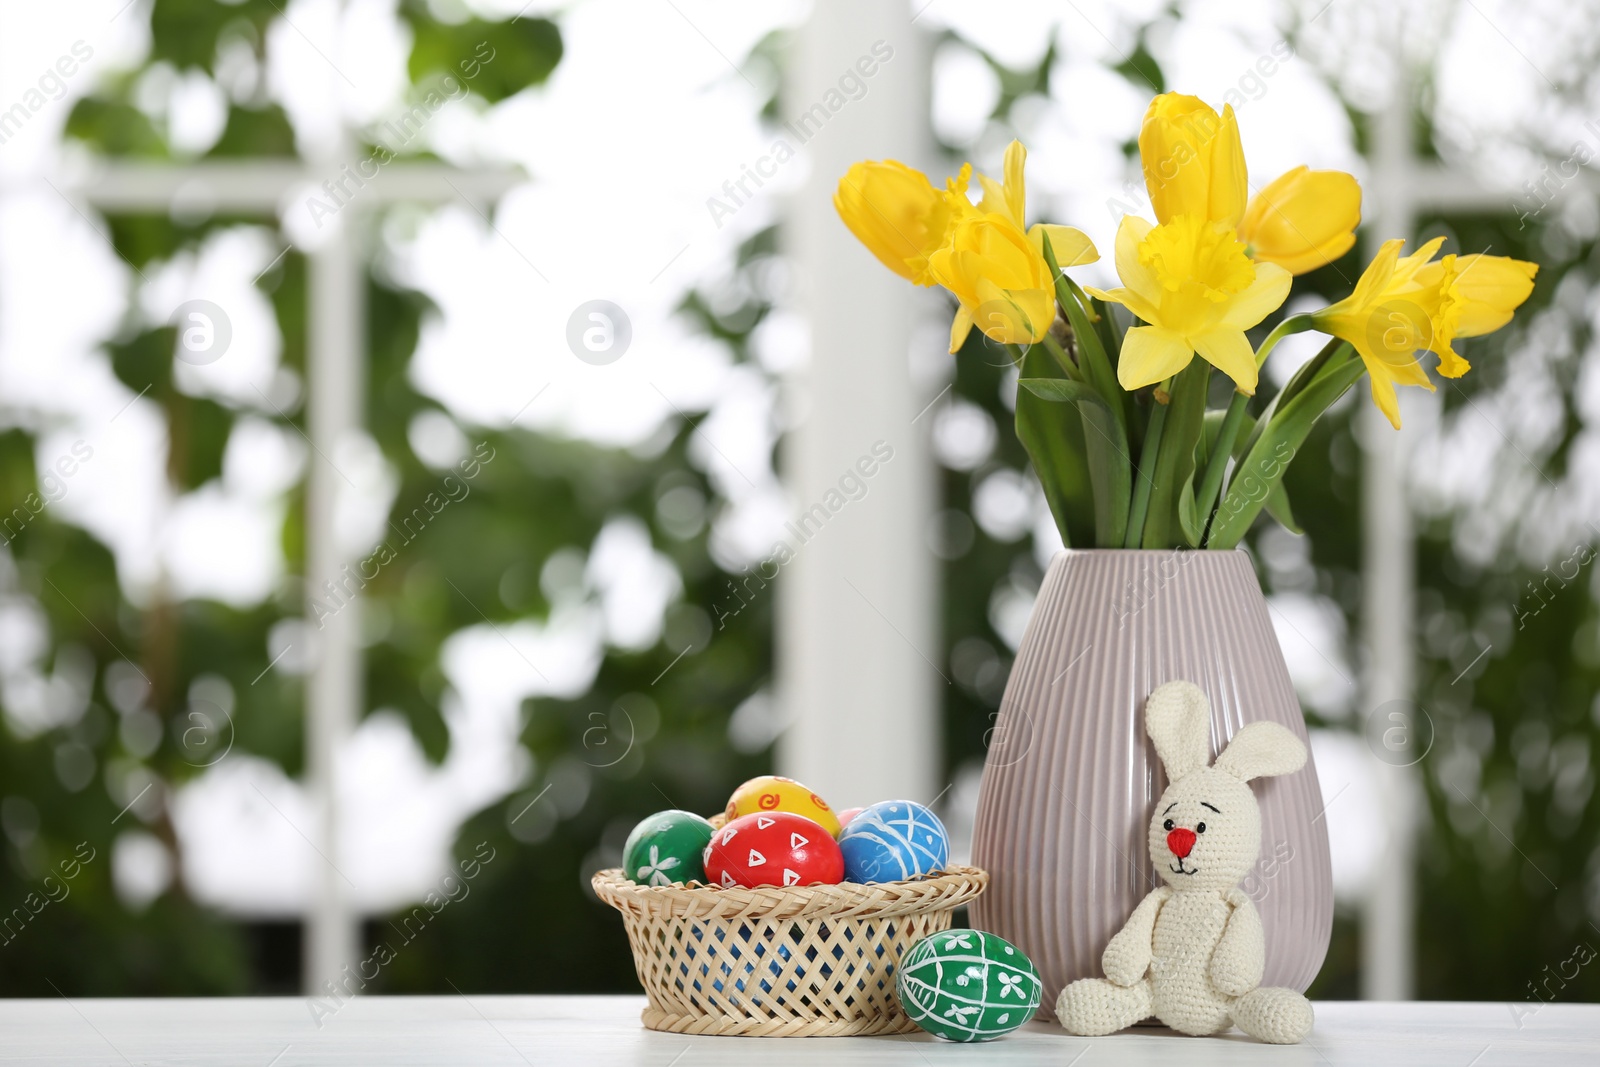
(1292, 324)
(1147, 463)
(1083, 298)
(1222, 450)
(1069, 368)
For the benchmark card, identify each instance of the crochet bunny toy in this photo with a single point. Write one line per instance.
(1192, 953)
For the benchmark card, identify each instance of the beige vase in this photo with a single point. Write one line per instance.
(1070, 776)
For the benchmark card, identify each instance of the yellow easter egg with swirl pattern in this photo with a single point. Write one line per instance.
(773, 793)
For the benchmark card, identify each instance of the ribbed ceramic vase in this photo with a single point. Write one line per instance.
(1071, 776)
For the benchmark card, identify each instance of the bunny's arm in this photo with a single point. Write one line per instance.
(1127, 955)
(1241, 955)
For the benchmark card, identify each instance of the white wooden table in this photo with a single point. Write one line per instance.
(603, 1031)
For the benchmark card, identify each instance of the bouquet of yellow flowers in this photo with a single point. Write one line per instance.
(1096, 390)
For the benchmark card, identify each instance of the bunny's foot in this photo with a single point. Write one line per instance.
(1091, 1007)
(1276, 1016)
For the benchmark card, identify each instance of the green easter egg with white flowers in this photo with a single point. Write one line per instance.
(967, 985)
(667, 848)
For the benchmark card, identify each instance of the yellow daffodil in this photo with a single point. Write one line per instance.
(1001, 280)
(1008, 197)
(1484, 292)
(1408, 304)
(1194, 165)
(1008, 201)
(1391, 316)
(1191, 281)
(897, 213)
(1213, 264)
(997, 269)
(1305, 219)
(1193, 162)
(982, 253)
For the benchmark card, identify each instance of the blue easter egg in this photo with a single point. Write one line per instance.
(893, 840)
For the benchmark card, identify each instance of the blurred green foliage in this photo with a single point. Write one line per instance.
(500, 59)
(651, 732)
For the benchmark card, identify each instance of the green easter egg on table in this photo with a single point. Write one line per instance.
(966, 985)
(667, 849)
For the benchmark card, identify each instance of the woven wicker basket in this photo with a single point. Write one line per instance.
(810, 961)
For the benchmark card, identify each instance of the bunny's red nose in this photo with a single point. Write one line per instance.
(1180, 841)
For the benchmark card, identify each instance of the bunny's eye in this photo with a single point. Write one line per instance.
(1200, 828)
(1167, 825)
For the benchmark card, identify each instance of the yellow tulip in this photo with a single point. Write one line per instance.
(1305, 219)
(1193, 162)
(1191, 281)
(997, 270)
(1484, 292)
(897, 213)
(1393, 314)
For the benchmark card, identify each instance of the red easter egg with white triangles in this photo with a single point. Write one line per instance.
(773, 848)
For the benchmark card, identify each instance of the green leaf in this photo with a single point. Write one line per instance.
(1278, 508)
(255, 132)
(1164, 525)
(493, 59)
(1063, 361)
(1056, 388)
(1277, 500)
(1111, 329)
(1277, 441)
(114, 128)
(144, 362)
(1208, 434)
(185, 33)
(1097, 367)
(1309, 370)
(1052, 434)
(1142, 68)
(1105, 449)
(198, 429)
(1188, 518)
(1300, 379)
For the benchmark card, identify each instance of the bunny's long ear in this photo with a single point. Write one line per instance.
(1262, 750)
(1178, 719)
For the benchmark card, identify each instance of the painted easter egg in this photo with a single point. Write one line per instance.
(847, 814)
(780, 848)
(893, 840)
(667, 848)
(966, 985)
(772, 793)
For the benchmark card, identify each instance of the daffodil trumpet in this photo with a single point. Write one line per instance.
(1196, 283)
